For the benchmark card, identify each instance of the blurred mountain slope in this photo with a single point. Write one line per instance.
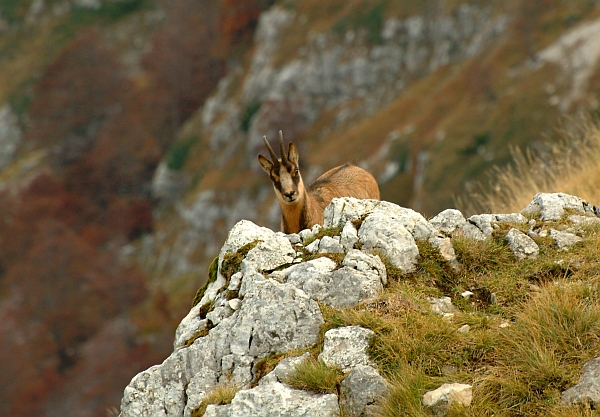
(428, 97)
(92, 94)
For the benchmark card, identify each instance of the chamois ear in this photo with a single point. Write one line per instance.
(265, 164)
(293, 154)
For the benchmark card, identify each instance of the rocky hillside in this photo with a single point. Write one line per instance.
(129, 131)
(369, 314)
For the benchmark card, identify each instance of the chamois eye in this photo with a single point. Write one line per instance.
(296, 171)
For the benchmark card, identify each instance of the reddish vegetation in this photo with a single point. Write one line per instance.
(68, 340)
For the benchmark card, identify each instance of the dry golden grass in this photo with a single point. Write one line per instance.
(571, 166)
(313, 375)
(551, 306)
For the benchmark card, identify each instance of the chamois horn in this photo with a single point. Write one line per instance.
(284, 157)
(271, 152)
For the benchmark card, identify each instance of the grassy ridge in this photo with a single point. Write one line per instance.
(524, 346)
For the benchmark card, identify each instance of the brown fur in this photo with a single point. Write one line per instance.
(303, 207)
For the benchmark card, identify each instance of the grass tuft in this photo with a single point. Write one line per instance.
(220, 395)
(313, 375)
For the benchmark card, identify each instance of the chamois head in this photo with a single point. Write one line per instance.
(284, 172)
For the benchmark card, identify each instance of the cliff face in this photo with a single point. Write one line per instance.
(291, 300)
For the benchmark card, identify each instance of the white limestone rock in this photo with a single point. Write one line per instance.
(587, 390)
(217, 410)
(330, 244)
(200, 385)
(272, 318)
(349, 236)
(346, 347)
(276, 399)
(552, 206)
(361, 278)
(271, 253)
(342, 210)
(442, 306)
(307, 234)
(521, 245)
(448, 221)
(189, 326)
(483, 223)
(439, 400)
(314, 246)
(564, 240)
(360, 390)
(444, 245)
(381, 233)
(470, 231)
(284, 369)
(241, 234)
(580, 221)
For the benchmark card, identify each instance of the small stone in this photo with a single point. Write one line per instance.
(466, 294)
(294, 238)
(521, 245)
(349, 236)
(504, 325)
(464, 329)
(441, 399)
(449, 370)
(314, 246)
(234, 303)
(307, 234)
(360, 389)
(442, 306)
(444, 245)
(534, 288)
(448, 221)
(346, 347)
(330, 245)
(564, 240)
(235, 281)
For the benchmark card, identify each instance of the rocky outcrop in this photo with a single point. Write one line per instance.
(264, 296)
(587, 391)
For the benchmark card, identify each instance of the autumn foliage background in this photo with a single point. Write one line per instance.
(75, 318)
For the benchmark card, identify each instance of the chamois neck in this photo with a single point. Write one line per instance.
(295, 216)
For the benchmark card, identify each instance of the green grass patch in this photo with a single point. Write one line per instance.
(212, 277)
(325, 231)
(232, 261)
(108, 11)
(178, 153)
(367, 16)
(251, 110)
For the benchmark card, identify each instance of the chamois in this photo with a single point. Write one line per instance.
(302, 207)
